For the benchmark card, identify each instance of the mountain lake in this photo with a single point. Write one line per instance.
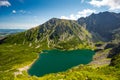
(53, 61)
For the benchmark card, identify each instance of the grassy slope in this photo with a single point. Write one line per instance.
(79, 73)
(13, 57)
(86, 73)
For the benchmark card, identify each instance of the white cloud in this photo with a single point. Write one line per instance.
(112, 4)
(22, 11)
(5, 3)
(14, 11)
(86, 12)
(64, 17)
(72, 16)
(83, 13)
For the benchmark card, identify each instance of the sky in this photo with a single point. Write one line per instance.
(25, 14)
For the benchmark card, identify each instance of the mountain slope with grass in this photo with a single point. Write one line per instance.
(55, 33)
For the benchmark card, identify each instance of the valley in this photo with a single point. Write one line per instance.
(20, 49)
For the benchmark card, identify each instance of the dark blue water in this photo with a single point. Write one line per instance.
(52, 61)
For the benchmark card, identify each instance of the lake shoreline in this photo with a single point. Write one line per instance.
(25, 68)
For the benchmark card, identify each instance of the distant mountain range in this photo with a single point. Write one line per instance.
(4, 32)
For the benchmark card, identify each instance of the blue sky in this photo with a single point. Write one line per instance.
(24, 14)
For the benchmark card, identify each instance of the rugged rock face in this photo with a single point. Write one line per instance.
(115, 51)
(115, 56)
(102, 25)
(2, 38)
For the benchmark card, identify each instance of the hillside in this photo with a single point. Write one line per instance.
(55, 33)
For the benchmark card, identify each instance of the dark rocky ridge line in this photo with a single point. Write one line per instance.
(103, 24)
